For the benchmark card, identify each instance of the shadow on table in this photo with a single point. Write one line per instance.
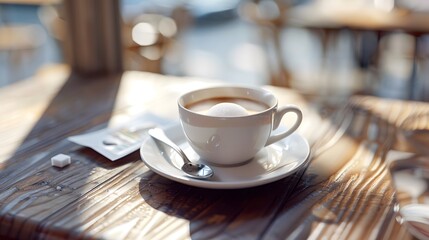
(235, 213)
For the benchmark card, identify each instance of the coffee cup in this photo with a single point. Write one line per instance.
(232, 133)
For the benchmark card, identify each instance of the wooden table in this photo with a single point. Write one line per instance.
(345, 193)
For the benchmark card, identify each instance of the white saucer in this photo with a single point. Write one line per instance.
(272, 163)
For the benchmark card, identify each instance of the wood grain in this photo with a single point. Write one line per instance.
(345, 193)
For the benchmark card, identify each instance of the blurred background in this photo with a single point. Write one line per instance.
(325, 48)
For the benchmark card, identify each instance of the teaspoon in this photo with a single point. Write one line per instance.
(195, 170)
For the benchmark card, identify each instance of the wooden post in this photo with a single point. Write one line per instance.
(93, 45)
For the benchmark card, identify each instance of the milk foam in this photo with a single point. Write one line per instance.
(227, 109)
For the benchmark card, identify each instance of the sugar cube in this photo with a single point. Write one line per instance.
(60, 160)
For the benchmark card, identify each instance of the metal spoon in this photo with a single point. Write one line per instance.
(195, 170)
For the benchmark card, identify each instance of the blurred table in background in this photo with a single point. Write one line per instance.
(328, 18)
(381, 17)
(345, 192)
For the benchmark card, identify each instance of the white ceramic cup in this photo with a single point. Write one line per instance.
(233, 140)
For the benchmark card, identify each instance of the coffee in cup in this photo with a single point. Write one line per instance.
(228, 125)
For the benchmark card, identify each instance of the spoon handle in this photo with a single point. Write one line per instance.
(159, 134)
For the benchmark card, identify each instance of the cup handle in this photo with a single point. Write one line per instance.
(278, 115)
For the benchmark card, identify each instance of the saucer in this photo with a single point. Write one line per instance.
(272, 163)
